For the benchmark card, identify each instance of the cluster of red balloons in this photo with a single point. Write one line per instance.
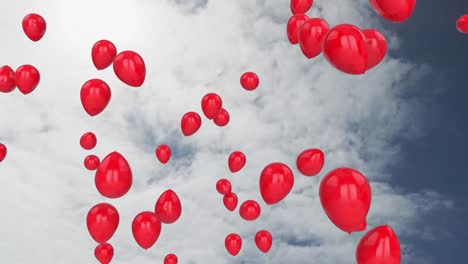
(462, 24)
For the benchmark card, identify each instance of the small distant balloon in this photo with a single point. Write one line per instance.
(236, 161)
(27, 78)
(222, 118)
(190, 123)
(91, 162)
(130, 68)
(250, 210)
(230, 201)
(294, 25)
(171, 259)
(163, 153)
(102, 221)
(301, 6)
(7, 79)
(146, 228)
(104, 253)
(233, 243)
(95, 96)
(34, 26)
(168, 207)
(3, 151)
(263, 240)
(211, 105)
(462, 24)
(249, 81)
(103, 54)
(223, 186)
(88, 140)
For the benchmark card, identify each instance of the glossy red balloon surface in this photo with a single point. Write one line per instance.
(345, 195)
(34, 26)
(114, 176)
(393, 10)
(376, 47)
(345, 48)
(190, 123)
(462, 24)
(233, 243)
(310, 162)
(163, 153)
(311, 36)
(91, 162)
(88, 140)
(102, 221)
(104, 253)
(236, 161)
(294, 25)
(276, 181)
(171, 259)
(146, 229)
(27, 78)
(168, 207)
(7, 79)
(222, 118)
(250, 210)
(211, 105)
(379, 246)
(230, 201)
(300, 6)
(263, 240)
(95, 96)
(103, 54)
(3, 151)
(130, 68)
(223, 186)
(249, 81)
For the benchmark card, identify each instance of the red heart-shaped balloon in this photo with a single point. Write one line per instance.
(146, 229)
(7, 79)
(102, 221)
(130, 68)
(27, 78)
(95, 96)
(34, 26)
(168, 207)
(114, 176)
(379, 246)
(276, 181)
(103, 54)
(393, 10)
(376, 47)
(311, 36)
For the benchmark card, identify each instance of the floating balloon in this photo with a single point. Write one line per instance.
(170, 259)
(222, 118)
(233, 243)
(223, 186)
(102, 221)
(103, 54)
(310, 162)
(376, 47)
(230, 201)
(114, 176)
(163, 153)
(130, 68)
(393, 10)
(211, 104)
(95, 96)
(27, 78)
(345, 48)
(190, 123)
(462, 24)
(263, 240)
(276, 181)
(294, 25)
(249, 81)
(236, 161)
(146, 229)
(104, 253)
(168, 207)
(250, 210)
(34, 26)
(7, 79)
(88, 140)
(301, 6)
(91, 162)
(311, 36)
(345, 195)
(3, 152)
(379, 246)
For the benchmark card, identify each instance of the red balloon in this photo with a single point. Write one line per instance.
(222, 118)
(263, 240)
(91, 162)
(34, 26)
(311, 36)
(301, 6)
(233, 243)
(236, 161)
(104, 253)
(223, 186)
(379, 246)
(230, 201)
(3, 152)
(170, 259)
(146, 229)
(103, 54)
(102, 221)
(211, 105)
(376, 47)
(310, 162)
(249, 81)
(7, 79)
(462, 25)
(190, 123)
(276, 181)
(95, 96)
(294, 25)
(393, 10)
(88, 140)
(114, 176)
(168, 207)
(163, 153)
(130, 68)
(345, 48)
(249, 210)
(345, 195)
(27, 78)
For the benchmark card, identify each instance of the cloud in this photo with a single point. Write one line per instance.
(300, 104)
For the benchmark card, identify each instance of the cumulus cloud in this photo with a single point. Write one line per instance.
(192, 48)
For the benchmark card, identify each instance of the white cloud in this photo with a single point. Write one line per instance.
(299, 104)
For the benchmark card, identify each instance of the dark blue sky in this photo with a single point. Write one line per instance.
(437, 159)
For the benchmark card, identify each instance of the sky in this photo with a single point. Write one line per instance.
(401, 125)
